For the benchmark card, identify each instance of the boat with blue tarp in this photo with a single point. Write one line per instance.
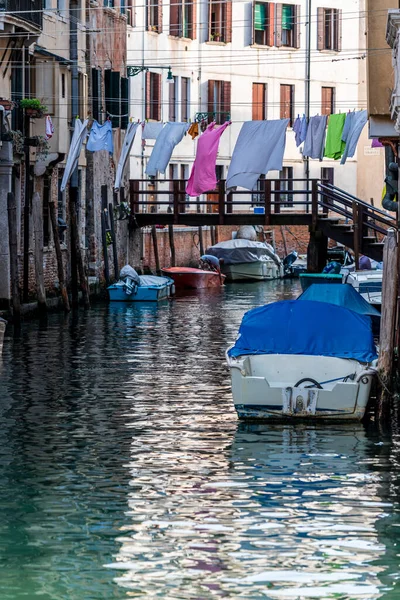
(133, 287)
(307, 359)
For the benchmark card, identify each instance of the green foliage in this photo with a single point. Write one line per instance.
(32, 103)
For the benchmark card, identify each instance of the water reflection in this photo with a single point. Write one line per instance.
(124, 472)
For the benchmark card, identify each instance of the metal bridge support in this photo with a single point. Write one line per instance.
(317, 251)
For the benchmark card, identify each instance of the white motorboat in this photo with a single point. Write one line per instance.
(368, 284)
(242, 259)
(302, 359)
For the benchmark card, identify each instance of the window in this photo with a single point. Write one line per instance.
(45, 80)
(60, 6)
(185, 99)
(154, 15)
(112, 92)
(182, 18)
(263, 23)
(327, 100)
(109, 3)
(258, 197)
(220, 21)
(172, 89)
(259, 101)
(124, 102)
(153, 96)
(287, 103)
(328, 175)
(96, 94)
(219, 101)
(287, 25)
(329, 29)
(286, 183)
(122, 7)
(62, 85)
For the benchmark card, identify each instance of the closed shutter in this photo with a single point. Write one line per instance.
(286, 101)
(226, 101)
(184, 99)
(115, 99)
(124, 102)
(278, 25)
(209, 19)
(160, 16)
(211, 108)
(172, 100)
(174, 17)
(148, 93)
(193, 24)
(148, 14)
(228, 21)
(107, 90)
(296, 26)
(258, 102)
(96, 94)
(270, 24)
(320, 28)
(339, 26)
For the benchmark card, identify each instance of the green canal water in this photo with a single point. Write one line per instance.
(124, 472)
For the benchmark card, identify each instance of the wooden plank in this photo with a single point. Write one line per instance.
(172, 244)
(114, 241)
(38, 251)
(155, 248)
(265, 185)
(176, 201)
(221, 201)
(13, 247)
(314, 202)
(60, 266)
(201, 242)
(356, 236)
(388, 321)
(105, 249)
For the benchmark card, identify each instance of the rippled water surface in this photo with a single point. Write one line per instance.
(124, 472)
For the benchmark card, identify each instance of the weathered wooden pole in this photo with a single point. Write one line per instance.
(105, 249)
(172, 244)
(388, 322)
(38, 249)
(13, 245)
(73, 191)
(60, 266)
(212, 235)
(155, 248)
(77, 254)
(114, 242)
(201, 243)
(356, 236)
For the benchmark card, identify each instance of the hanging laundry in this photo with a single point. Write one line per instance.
(151, 131)
(78, 137)
(126, 147)
(203, 177)
(170, 136)
(49, 128)
(315, 140)
(352, 133)
(334, 146)
(101, 137)
(300, 129)
(193, 130)
(376, 143)
(260, 148)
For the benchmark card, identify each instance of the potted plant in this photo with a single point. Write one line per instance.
(216, 37)
(33, 107)
(43, 147)
(6, 104)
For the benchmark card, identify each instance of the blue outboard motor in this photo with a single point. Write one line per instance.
(289, 260)
(333, 268)
(130, 278)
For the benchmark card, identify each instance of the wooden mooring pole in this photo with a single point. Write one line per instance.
(155, 248)
(201, 243)
(13, 245)
(172, 244)
(60, 266)
(38, 248)
(388, 323)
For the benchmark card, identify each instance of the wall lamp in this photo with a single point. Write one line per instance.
(132, 71)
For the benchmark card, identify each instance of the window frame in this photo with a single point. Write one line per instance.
(220, 26)
(328, 105)
(329, 29)
(283, 111)
(219, 101)
(153, 96)
(256, 105)
(286, 199)
(185, 101)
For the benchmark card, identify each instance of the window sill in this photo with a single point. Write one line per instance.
(326, 51)
(153, 32)
(180, 38)
(261, 46)
(212, 43)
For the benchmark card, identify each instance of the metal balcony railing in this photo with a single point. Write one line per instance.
(30, 11)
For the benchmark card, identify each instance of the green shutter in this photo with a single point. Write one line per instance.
(287, 16)
(259, 17)
(124, 103)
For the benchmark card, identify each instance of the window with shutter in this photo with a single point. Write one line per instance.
(172, 100)
(153, 96)
(329, 34)
(259, 112)
(124, 102)
(287, 25)
(154, 15)
(287, 103)
(185, 82)
(219, 101)
(263, 23)
(220, 21)
(114, 104)
(182, 18)
(96, 94)
(327, 100)
(286, 183)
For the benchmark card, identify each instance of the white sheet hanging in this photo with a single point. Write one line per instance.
(126, 147)
(78, 137)
(151, 131)
(170, 136)
(260, 148)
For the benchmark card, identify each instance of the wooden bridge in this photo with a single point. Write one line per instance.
(328, 211)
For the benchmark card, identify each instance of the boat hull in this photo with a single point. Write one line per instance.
(255, 271)
(143, 293)
(193, 279)
(266, 387)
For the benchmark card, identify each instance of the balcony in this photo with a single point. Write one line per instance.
(21, 15)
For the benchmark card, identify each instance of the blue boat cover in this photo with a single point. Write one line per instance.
(307, 327)
(341, 294)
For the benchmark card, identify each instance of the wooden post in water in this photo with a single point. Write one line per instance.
(388, 322)
(356, 236)
(60, 266)
(172, 244)
(155, 248)
(201, 243)
(114, 241)
(212, 235)
(38, 248)
(105, 249)
(13, 245)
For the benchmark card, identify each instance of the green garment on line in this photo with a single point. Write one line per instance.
(334, 146)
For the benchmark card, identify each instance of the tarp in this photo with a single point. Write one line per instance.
(341, 294)
(309, 328)
(235, 252)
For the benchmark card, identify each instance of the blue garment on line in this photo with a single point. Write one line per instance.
(309, 328)
(314, 145)
(300, 129)
(101, 137)
(354, 124)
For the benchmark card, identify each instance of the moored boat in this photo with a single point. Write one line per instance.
(187, 278)
(243, 259)
(369, 284)
(132, 287)
(304, 359)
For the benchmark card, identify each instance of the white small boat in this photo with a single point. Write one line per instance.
(303, 359)
(368, 284)
(243, 259)
(132, 287)
(3, 324)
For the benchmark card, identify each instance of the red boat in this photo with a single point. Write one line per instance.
(187, 278)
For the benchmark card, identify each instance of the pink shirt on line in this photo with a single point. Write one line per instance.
(202, 178)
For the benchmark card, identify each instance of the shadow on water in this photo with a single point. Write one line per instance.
(124, 472)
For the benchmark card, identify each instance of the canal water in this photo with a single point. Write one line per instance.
(124, 472)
